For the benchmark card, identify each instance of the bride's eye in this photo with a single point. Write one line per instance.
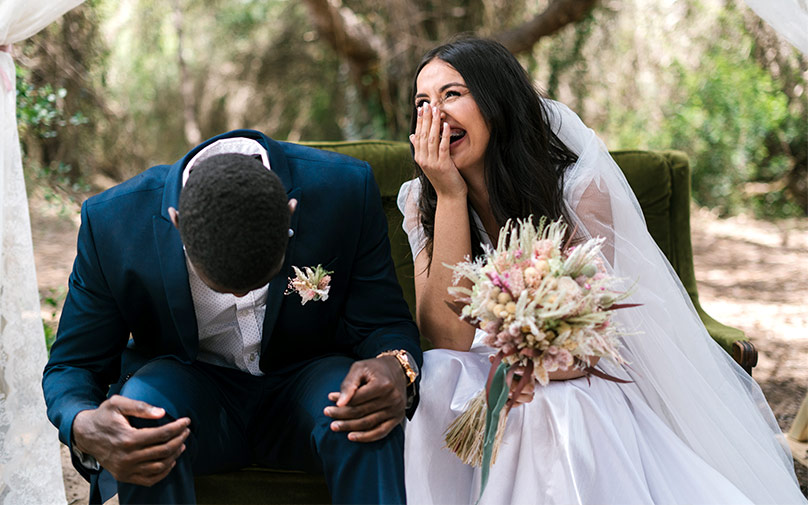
(419, 103)
(451, 95)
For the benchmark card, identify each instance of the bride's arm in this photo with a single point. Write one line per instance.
(451, 238)
(594, 211)
(451, 245)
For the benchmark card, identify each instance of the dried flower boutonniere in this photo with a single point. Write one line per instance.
(310, 283)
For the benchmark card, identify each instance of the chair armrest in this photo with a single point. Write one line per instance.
(733, 340)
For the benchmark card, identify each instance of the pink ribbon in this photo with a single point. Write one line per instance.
(6, 81)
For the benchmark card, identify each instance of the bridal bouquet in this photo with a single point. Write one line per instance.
(546, 306)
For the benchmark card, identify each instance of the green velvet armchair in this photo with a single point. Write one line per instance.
(661, 181)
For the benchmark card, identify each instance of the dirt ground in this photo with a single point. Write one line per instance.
(752, 274)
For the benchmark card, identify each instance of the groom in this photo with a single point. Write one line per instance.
(181, 351)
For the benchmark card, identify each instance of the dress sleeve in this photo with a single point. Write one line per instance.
(408, 205)
(593, 210)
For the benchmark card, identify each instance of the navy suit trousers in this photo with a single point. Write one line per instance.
(275, 420)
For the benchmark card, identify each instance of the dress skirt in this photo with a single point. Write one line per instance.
(577, 442)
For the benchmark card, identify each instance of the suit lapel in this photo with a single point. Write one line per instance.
(175, 282)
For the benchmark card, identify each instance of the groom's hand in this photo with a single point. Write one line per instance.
(371, 400)
(142, 456)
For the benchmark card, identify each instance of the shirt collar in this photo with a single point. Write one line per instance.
(233, 145)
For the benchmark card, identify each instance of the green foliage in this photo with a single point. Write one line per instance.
(688, 75)
(724, 116)
(565, 59)
(53, 301)
(39, 109)
(706, 78)
(41, 115)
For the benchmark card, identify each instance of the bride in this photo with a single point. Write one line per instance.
(692, 426)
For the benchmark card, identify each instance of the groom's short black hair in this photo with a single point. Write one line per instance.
(234, 221)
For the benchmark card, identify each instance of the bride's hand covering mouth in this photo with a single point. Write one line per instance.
(431, 143)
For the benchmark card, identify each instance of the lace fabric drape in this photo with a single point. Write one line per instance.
(30, 467)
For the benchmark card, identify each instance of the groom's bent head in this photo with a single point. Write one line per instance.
(234, 222)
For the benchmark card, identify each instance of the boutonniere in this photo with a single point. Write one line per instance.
(310, 283)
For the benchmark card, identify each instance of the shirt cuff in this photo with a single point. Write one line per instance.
(87, 461)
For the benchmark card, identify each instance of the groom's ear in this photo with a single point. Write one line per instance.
(175, 217)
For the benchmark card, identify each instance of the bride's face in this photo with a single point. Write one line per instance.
(440, 85)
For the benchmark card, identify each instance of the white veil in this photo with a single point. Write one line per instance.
(788, 17)
(715, 407)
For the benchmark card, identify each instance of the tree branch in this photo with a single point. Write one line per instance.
(346, 33)
(557, 15)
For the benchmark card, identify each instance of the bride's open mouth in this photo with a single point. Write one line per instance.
(456, 136)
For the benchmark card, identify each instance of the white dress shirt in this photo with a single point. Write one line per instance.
(230, 327)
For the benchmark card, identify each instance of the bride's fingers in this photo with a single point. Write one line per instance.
(426, 122)
(419, 123)
(426, 125)
(416, 137)
(433, 140)
(509, 377)
(523, 398)
(443, 148)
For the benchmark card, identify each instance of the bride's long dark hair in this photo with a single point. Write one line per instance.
(524, 160)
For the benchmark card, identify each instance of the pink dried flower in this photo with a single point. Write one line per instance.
(543, 248)
(491, 327)
(556, 358)
(312, 284)
(516, 280)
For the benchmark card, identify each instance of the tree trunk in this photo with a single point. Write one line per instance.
(193, 135)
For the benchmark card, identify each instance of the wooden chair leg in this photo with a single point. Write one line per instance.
(798, 434)
(744, 352)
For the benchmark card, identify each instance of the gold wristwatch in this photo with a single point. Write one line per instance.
(409, 366)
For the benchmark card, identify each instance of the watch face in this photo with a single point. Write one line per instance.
(407, 356)
(405, 364)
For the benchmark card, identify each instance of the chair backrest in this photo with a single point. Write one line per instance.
(660, 179)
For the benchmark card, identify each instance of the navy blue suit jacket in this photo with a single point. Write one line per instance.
(130, 279)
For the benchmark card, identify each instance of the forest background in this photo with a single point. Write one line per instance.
(117, 86)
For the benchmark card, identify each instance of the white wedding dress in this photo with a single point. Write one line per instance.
(692, 427)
